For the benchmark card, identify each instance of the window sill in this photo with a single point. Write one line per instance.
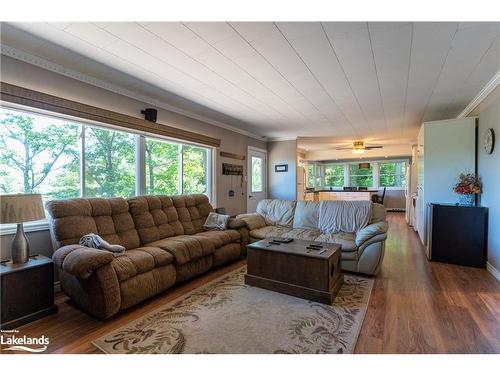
(37, 226)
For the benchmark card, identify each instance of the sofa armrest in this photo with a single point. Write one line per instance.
(252, 221)
(370, 231)
(235, 223)
(81, 261)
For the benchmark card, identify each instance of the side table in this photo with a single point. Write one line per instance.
(27, 291)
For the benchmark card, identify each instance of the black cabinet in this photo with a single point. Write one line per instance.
(27, 291)
(458, 234)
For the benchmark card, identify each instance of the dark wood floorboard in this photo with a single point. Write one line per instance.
(416, 306)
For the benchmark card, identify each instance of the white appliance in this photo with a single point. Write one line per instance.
(444, 150)
(301, 183)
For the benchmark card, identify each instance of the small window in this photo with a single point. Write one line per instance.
(360, 176)
(334, 175)
(257, 174)
(392, 174)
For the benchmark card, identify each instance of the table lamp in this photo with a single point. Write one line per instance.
(20, 208)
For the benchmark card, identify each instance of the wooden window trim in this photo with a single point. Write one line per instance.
(30, 98)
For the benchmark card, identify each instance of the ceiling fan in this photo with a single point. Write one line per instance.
(358, 147)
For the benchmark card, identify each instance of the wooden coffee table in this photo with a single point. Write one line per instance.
(292, 269)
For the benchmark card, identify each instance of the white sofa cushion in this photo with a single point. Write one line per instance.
(343, 216)
(269, 231)
(277, 211)
(252, 221)
(370, 231)
(306, 215)
(346, 240)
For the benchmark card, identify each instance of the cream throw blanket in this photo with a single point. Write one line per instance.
(344, 216)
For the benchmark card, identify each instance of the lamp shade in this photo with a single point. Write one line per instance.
(19, 208)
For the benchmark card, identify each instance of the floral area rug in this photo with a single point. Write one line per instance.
(227, 316)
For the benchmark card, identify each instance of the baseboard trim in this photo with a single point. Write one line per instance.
(493, 270)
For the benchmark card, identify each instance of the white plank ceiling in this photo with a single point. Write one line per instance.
(345, 81)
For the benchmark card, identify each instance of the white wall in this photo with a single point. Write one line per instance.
(489, 170)
(22, 74)
(449, 148)
(282, 185)
(395, 199)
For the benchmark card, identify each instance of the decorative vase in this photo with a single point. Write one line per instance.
(466, 199)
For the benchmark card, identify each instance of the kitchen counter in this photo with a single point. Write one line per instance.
(339, 195)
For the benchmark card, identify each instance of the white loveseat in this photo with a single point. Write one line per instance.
(362, 250)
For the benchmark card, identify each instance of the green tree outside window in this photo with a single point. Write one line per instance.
(162, 167)
(334, 175)
(392, 174)
(39, 155)
(109, 163)
(194, 167)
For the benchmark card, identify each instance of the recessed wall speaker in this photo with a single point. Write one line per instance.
(150, 114)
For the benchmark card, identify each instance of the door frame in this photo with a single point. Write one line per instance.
(249, 167)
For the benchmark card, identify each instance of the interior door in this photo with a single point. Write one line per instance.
(256, 182)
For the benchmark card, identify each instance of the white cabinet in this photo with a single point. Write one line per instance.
(445, 149)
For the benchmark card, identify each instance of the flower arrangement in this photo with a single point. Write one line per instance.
(468, 183)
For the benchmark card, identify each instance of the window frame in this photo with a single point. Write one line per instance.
(140, 165)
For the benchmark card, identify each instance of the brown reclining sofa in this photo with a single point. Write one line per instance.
(164, 239)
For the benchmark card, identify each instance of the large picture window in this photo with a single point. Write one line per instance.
(62, 158)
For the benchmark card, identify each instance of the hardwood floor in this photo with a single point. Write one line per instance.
(419, 306)
(416, 307)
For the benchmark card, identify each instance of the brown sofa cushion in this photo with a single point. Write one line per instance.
(81, 261)
(155, 217)
(185, 248)
(145, 285)
(110, 218)
(193, 211)
(140, 260)
(220, 238)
